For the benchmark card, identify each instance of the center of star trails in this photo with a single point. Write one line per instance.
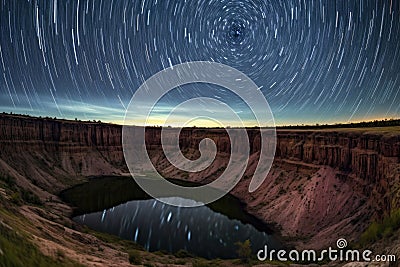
(236, 33)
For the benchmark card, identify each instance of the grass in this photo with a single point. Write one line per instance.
(17, 251)
(16, 247)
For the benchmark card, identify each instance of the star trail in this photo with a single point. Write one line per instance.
(315, 61)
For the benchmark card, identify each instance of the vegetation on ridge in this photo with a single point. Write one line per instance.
(383, 229)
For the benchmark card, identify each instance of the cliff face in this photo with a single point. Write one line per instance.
(368, 155)
(49, 152)
(352, 182)
(323, 184)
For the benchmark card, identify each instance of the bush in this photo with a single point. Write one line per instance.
(386, 228)
(19, 195)
(244, 250)
(134, 257)
(183, 254)
(201, 263)
(16, 198)
(161, 252)
(30, 197)
(9, 181)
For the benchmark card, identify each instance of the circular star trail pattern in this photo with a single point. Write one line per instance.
(319, 60)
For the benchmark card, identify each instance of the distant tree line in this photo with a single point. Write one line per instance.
(46, 117)
(364, 124)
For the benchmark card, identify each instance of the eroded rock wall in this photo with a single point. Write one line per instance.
(92, 148)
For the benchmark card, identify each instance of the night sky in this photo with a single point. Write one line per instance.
(319, 61)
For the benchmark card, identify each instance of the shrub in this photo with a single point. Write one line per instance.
(200, 263)
(244, 250)
(16, 198)
(134, 257)
(8, 181)
(386, 228)
(30, 197)
(183, 254)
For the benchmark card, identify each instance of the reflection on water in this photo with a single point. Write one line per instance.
(158, 226)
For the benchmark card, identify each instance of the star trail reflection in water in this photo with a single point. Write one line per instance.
(158, 226)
